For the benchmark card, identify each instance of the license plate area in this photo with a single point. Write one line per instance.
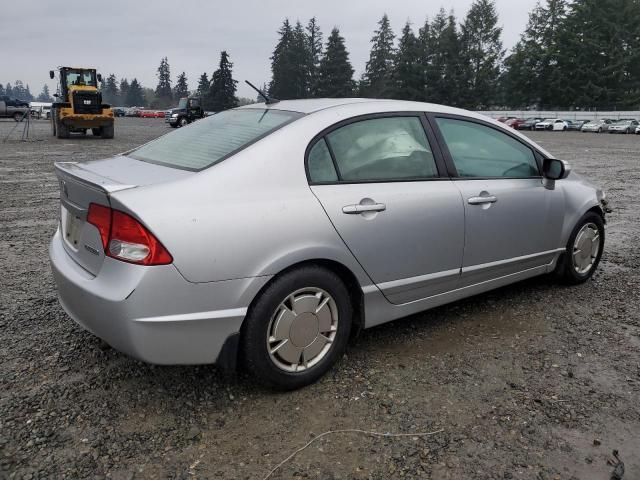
(72, 228)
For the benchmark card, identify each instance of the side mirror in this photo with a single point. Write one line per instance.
(56, 95)
(555, 169)
(99, 77)
(51, 74)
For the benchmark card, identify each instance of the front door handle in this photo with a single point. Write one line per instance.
(482, 200)
(360, 208)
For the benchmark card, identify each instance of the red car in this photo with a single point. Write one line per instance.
(514, 122)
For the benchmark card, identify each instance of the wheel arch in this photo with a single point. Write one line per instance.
(346, 275)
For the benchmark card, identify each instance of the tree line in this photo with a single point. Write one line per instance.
(572, 54)
(577, 54)
(217, 93)
(20, 91)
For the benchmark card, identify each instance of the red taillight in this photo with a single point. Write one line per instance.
(100, 217)
(125, 238)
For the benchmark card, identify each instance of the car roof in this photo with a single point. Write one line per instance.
(313, 105)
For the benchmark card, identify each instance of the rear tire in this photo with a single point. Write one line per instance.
(584, 250)
(107, 132)
(297, 329)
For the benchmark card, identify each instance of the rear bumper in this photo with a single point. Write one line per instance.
(153, 313)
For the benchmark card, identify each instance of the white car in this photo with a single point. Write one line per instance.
(555, 124)
(638, 130)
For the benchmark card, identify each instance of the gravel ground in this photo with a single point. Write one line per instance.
(532, 381)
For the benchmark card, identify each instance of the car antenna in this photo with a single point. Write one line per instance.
(268, 100)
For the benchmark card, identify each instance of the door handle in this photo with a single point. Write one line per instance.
(359, 208)
(482, 200)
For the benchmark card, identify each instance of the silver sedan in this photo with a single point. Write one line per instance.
(268, 234)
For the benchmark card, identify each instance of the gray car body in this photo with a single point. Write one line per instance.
(234, 226)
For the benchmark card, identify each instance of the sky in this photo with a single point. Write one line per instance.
(128, 38)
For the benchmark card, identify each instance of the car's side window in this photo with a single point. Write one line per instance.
(481, 151)
(382, 149)
(320, 165)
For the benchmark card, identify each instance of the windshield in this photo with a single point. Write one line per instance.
(550, 120)
(623, 122)
(80, 77)
(212, 139)
(182, 103)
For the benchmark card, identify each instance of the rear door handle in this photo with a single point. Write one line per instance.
(482, 200)
(357, 209)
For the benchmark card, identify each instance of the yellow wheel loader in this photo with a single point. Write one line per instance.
(78, 106)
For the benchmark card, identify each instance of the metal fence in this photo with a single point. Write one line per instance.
(566, 114)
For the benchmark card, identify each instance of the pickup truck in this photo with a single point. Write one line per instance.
(189, 110)
(15, 109)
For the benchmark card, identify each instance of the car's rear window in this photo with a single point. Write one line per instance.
(208, 141)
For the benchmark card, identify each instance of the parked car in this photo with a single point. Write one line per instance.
(147, 114)
(505, 119)
(624, 126)
(160, 114)
(597, 126)
(156, 251)
(555, 124)
(119, 111)
(574, 125)
(132, 112)
(514, 122)
(12, 108)
(529, 123)
(637, 130)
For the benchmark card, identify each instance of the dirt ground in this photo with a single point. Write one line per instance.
(532, 381)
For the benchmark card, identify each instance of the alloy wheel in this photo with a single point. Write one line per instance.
(302, 329)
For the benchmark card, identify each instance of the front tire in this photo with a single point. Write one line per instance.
(107, 131)
(583, 251)
(62, 131)
(297, 328)
(182, 122)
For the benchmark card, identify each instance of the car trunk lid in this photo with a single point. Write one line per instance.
(84, 183)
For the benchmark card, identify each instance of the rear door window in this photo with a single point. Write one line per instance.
(481, 151)
(208, 141)
(382, 149)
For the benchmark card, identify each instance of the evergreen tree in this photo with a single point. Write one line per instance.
(408, 73)
(1, 90)
(482, 54)
(135, 98)
(599, 59)
(182, 87)
(8, 91)
(425, 55)
(124, 92)
(531, 76)
(314, 45)
(222, 94)
(443, 71)
(44, 96)
(290, 63)
(377, 81)
(335, 73)
(110, 90)
(203, 86)
(163, 90)
(281, 65)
